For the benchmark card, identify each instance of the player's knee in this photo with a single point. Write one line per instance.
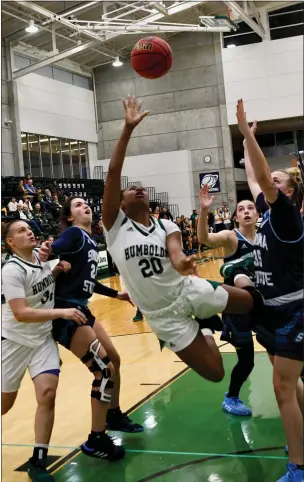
(215, 375)
(115, 359)
(284, 391)
(47, 397)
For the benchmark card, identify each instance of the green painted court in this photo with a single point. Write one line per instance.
(189, 438)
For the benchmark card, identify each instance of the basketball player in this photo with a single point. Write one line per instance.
(278, 261)
(90, 344)
(155, 271)
(236, 243)
(27, 342)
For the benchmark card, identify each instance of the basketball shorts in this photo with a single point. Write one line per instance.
(239, 329)
(64, 330)
(16, 359)
(283, 339)
(175, 325)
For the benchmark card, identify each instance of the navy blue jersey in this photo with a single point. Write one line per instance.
(244, 248)
(76, 246)
(278, 256)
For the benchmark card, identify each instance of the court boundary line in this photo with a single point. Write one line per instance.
(59, 464)
(207, 459)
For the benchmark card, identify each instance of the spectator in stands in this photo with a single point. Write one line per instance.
(218, 221)
(194, 218)
(30, 187)
(24, 213)
(195, 245)
(179, 223)
(210, 221)
(55, 200)
(98, 235)
(12, 206)
(227, 218)
(165, 214)
(150, 212)
(47, 197)
(20, 189)
(156, 212)
(186, 235)
(50, 238)
(37, 212)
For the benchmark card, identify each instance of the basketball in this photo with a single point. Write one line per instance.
(151, 57)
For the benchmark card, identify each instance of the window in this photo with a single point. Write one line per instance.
(54, 73)
(45, 156)
(286, 22)
(244, 36)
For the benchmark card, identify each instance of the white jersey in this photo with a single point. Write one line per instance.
(141, 256)
(35, 283)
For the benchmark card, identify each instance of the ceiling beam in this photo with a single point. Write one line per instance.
(52, 59)
(57, 18)
(245, 18)
(43, 29)
(256, 14)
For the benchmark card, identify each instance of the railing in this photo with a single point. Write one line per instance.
(135, 183)
(151, 193)
(98, 172)
(162, 197)
(174, 210)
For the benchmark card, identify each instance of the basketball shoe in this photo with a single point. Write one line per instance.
(101, 446)
(37, 471)
(120, 422)
(235, 406)
(293, 474)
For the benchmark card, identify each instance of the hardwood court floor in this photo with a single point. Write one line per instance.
(183, 422)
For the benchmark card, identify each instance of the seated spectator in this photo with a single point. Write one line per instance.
(186, 236)
(210, 221)
(50, 238)
(37, 213)
(12, 206)
(179, 223)
(29, 187)
(48, 197)
(20, 189)
(195, 245)
(24, 213)
(26, 200)
(156, 212)
(98, 235)
(150, 211)
(165, 214)
(55, 200)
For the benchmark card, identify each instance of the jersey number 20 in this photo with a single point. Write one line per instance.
(150, 267)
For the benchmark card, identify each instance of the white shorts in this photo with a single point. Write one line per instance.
(175, 324)
(17, 358)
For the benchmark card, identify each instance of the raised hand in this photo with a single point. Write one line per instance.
(205, 199)
(253, 129)
(132, 107)
(44, 251)
(241, 118)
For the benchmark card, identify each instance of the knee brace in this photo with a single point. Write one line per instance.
(99, 365)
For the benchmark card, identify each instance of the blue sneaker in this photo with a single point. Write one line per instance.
(235, 406)
(293, 474)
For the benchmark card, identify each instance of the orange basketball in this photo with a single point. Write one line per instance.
(151, 57)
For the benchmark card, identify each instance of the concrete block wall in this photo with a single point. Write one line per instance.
(187, 110)
(11, 153)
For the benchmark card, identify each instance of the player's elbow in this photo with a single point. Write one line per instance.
(19, 316)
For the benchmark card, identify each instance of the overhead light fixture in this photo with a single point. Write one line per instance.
(117, 62)
(32, 28)
(231, 46)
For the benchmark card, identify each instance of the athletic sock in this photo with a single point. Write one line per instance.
(40, 453)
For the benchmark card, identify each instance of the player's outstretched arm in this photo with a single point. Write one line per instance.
(111, 199)
(225, 239)
(258, 162)
(253, 184)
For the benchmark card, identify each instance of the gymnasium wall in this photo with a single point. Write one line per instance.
(269, 77)
(54, 108)
(187, 110)
(166, 171)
